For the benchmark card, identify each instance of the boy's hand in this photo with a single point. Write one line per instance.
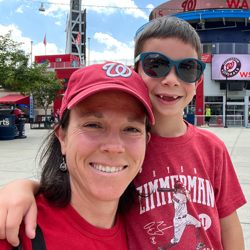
(17, 202)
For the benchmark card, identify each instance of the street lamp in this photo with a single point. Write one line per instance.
(41, 8)
(226, 72)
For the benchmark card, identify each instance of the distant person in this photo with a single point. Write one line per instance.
(52, 115)
(248, 124)
(58, 115)
(207, 115)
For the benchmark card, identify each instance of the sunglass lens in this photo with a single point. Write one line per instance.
(156, 65)
(190, 70)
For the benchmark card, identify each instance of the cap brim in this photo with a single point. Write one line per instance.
(99, 88)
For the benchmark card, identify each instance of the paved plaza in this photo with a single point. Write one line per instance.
(17, 160)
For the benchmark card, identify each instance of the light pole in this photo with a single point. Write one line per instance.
(31, 96)
(226, 102)
(89, 51)
(31, 42)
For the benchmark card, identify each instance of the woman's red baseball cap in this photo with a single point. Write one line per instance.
(108, 76)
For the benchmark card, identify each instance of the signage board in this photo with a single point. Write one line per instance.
(178, 6)
(5, 121)
(31, 106)
(234, 66)
(206, 57)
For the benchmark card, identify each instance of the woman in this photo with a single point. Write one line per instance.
(90, 158)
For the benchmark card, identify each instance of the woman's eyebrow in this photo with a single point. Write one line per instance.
(95, 114)
(100, 115)
(132, 119)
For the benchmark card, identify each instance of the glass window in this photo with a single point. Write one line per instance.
(235, 99)
(216, 105)
(216, 109)
(226, 48)
(206, 47)
(241, 48)
(230, 48)
(213, 98)
(235, 115)
(216, 113)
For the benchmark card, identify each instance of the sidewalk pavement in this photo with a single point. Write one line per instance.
(17, 160)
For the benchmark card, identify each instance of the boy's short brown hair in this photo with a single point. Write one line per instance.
(168, 26)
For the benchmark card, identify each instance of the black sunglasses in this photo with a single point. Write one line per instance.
(157, 65)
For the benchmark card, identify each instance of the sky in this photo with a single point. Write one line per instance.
(111, 30)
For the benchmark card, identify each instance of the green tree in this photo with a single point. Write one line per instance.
(16, 75)
(13, 63)
(46, 89)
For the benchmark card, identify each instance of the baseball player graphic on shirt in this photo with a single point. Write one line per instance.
(181, 218)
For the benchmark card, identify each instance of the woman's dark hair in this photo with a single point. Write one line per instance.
(55, 184)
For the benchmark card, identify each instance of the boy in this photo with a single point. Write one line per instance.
(176, 152)
(181, 152)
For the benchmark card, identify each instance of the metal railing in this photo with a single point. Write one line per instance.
(126, 62)
(217, 120)
(62, 65)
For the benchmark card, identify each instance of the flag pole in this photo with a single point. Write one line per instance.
(45, 43)
(78, 43)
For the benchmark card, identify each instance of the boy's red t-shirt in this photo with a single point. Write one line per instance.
(200, 160)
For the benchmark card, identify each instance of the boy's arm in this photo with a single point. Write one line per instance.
(231, 233)
(17, 201)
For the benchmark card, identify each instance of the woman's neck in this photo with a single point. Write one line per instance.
(100, 214)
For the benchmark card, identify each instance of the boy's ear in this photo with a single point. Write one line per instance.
(198, 83)
(61, 136)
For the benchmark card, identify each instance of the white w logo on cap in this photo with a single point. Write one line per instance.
(125, 72)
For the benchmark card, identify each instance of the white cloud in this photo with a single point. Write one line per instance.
(134, 12)
(118, 5)
(114, 51)
(58, 23)
(20, 9)
(132, 44)
(111, 43)
(56, 7)
(37, 49)
(151, 6)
